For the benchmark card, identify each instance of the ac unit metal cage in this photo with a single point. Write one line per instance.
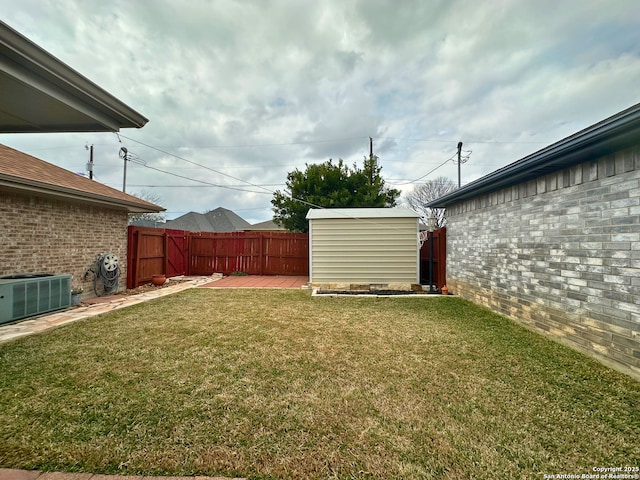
(23, 296)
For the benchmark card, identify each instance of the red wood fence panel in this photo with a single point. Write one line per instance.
(439, 258)
(176, 248)
(225, 253)
(145, 254)
(178, 252)
(254, 253)
(285, 252)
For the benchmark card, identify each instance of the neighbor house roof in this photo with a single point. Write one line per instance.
(397, 212)
(218, 220)
(268, 225)
(615, 133)
(23, 173)
(39, 93)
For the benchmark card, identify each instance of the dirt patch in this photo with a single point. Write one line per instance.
(369, 292)
(149, 287)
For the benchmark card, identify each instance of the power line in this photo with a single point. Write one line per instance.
(209, 184)
(259, 145)
(431, 140)
(270, 192)
(199, 165)
(426, 174)
(202, 186)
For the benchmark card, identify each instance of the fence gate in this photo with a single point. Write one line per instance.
(439, 238)
(177, 252)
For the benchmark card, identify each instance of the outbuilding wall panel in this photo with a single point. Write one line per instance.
(365, 251)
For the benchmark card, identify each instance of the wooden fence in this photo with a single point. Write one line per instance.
(439, 258)
(178, 252)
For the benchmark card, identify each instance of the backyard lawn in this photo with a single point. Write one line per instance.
(278, 384)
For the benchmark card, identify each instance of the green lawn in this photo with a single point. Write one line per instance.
(278, 384)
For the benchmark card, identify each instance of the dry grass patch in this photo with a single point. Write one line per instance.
(276, 384)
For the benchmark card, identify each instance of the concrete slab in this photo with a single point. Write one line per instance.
(64, 476)
(116, 477)
(14, 474)
(260, 281)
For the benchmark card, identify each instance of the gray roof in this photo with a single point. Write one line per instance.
(268, 225)
(218, 220)
(147, 223)
(615, 133)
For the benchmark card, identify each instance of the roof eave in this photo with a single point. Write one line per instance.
(605, 137)
(59, 80)
(70, 194)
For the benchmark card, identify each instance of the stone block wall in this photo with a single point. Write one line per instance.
(51, 236)
(559, 254)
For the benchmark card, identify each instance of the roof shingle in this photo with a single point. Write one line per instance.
(218, 220)
(23, 172)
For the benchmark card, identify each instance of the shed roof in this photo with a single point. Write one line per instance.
(396, 212)
(23, 173)
(612, 134)
(42, 94)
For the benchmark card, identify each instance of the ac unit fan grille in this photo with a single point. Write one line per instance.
(34, 296)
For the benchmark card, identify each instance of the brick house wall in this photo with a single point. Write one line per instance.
(53, 236)
(559, 254)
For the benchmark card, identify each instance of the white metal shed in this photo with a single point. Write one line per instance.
(363, 246)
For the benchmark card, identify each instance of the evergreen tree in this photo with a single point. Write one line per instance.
(330, 185)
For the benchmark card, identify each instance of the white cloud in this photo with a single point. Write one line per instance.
(255, 89)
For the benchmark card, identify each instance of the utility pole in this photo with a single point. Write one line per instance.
(459, 163)
(372, 161)
(91, 163)
(124, 156)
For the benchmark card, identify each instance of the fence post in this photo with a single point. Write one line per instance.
(137, 267)
(165, 253)
(442, 254)
(130, 256)
(261, 239)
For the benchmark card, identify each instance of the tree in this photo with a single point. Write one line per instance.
(330, 185)
(427, 192)
(148, 216)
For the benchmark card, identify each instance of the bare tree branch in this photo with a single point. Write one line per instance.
(148, 216)
(427, 192)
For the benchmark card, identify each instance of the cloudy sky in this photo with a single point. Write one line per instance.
(238, 93)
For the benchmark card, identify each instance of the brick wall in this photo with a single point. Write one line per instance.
(52, 236)
(560, 254)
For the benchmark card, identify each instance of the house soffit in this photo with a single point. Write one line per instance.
(39, 93)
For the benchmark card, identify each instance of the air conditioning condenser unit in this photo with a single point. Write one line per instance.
(26, 295)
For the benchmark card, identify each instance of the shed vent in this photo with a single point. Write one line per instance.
(27, 295)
